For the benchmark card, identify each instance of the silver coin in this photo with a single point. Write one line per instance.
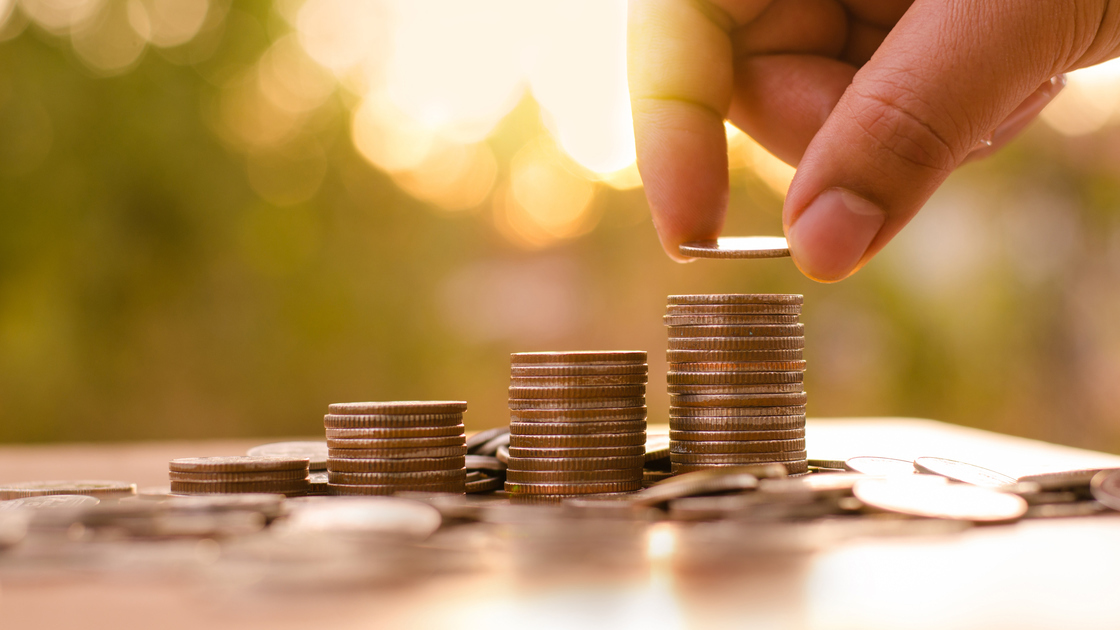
(879, 466)
(316, 452)
(388, 517)
(477, 440)
(484, 462)
(715, 481)
(962, 472)
(1075, 480)
(50, 501)
(921, 495)
(732, 247)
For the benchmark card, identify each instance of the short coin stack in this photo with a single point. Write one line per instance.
(577, 423)
(242, 473)
(736, 381)
(387, 447)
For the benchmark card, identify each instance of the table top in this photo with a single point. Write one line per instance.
(543, 573)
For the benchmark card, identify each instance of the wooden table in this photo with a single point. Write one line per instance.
(1051, 573)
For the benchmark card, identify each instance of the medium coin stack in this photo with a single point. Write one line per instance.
(577, 423)
(242, 473)
(736, 381)
(387, 447)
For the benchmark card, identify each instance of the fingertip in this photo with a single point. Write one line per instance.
(830, 237)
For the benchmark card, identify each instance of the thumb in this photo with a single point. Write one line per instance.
(941, 82)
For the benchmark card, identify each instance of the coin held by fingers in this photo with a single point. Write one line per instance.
(737, 247)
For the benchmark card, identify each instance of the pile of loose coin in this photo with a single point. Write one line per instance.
(736, 381)
(577, 423)
(377, 448)
(240, 474)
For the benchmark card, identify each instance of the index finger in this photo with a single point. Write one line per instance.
(681, 81)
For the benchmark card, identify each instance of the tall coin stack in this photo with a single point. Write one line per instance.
(736, 381)
(387, 447)
(577, 423)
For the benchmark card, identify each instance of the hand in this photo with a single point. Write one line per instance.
(875, 102)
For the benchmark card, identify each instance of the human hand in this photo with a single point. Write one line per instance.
(875, 102)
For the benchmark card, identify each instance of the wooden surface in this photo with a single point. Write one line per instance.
(1058, 573)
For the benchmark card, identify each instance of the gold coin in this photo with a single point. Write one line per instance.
(737, 446)
(728, 320)
(733, 378)
(738, 400)
(774, 388)
(738, 298)
(774, 332)
(580, 357)
(399, 407)
(737, 247)
(600, 391)
(578, 441)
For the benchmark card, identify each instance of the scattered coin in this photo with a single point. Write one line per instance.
(379, 516)
(960, 471)
(880, 466)
(399, 407)
(918, 497)
(315, 452)
(96, 488)
(1105, 487)
(493, 444)
(1065, 480)
(1078, 509)
(489, 484)
(737, 247)
(484, 462)
(698, 484)
(50, 501)
(482, 437)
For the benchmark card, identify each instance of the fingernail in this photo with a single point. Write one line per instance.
(831, 235)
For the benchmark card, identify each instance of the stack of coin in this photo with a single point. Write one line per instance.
(238, 474)
(388, 447)
(736, 381)
(577, 423)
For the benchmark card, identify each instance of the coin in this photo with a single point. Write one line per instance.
(607, 451)
(734, 378)
(580, 370)
(398, 465)
(574, 476)
(708, 436)
(280, 475)
(736, 458)
(918, 497)
(1079, 509)
(433, 442)
(573, 488)
(731, 367)
(576, 428)
(691, 310)
(238, 463)
(489, 484)
(396, 453)
(762, 446)
(737, 247)
(657, 448)
(838, 484)
(97, 488)
(503, 454)
(578, 415)
(576, 463)
(776, 336)
(637, 438)
(385, 421)
(578, 357)
(748, 424)
(484, 462)
(791, 467)
(771, 388)
(317, 483)
(399, 407)
(398, 478)
(1105, 487)
(493, 444)
(738, 298)
(691, 345)
(728, 320)
(388, 434)
(340, 489)
(880, 466)
(315, 452)
(1066, 479)
(50, 501)
(745, 360)
(602, 391)
(383, 517)
(832, 464)
(482, 437)
(201, 487)
(734, 412)
(698, 483)
(591, 380)
(960, 471)
(516, 405)
(734, 400)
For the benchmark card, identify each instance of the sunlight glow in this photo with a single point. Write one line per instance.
(1090, 100)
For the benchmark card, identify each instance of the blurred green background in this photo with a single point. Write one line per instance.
(216, 219)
